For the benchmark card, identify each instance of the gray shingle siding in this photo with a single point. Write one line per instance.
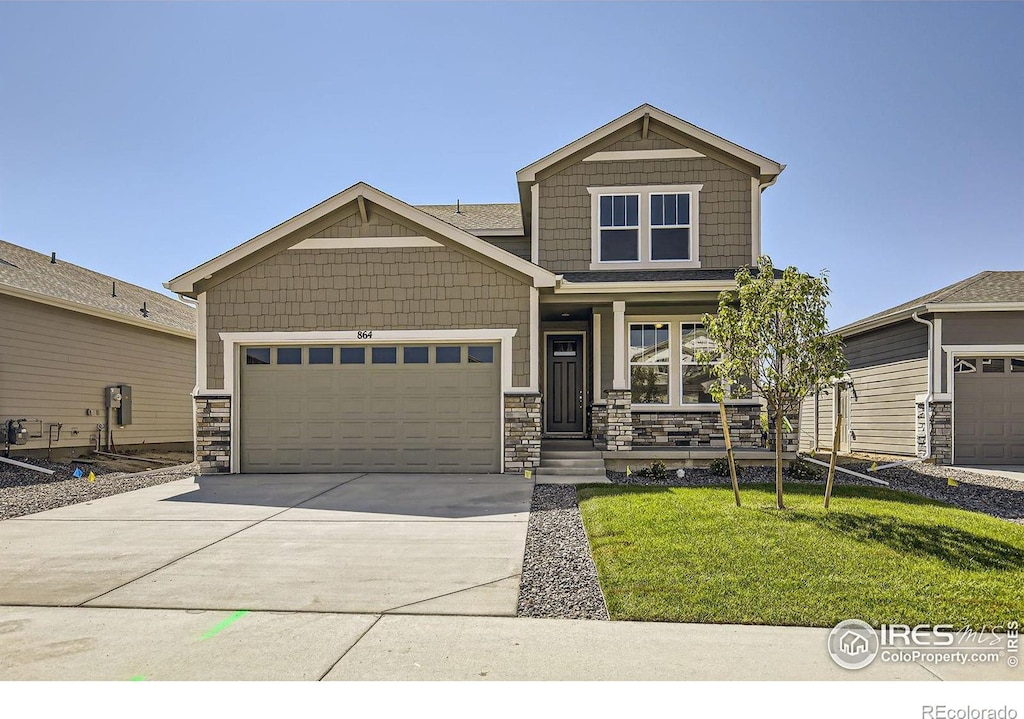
(404, 288)
(565, 223)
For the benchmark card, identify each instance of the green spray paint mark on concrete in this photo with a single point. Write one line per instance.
(137, 678)
(225, 624)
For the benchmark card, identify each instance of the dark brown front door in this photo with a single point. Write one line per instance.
(564, 384)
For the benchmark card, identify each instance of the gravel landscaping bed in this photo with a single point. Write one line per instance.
(559, 577)
(23, 491)
(997, 496)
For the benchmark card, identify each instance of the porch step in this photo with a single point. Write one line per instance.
(573, 479)
(543, 471)
(570, 454)
(595, 462)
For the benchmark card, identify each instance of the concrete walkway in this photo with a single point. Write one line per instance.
(83, 643)
(1008, 471)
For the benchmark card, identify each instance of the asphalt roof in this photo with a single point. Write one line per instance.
(494, 216)
(984, 287)
(27, 270)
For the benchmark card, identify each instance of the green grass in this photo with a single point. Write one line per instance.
(689, 555)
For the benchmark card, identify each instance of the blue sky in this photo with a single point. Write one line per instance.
(142, 139)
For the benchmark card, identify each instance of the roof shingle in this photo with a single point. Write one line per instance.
(30, 271)
(494, 216)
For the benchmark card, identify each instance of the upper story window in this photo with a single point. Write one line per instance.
(620, 228)
(648, 226)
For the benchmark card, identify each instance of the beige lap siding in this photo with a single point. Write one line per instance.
(421, 288)
(565, 223)
(55, 364)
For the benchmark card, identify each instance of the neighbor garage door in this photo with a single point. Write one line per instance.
(383, 408)
(988, 410)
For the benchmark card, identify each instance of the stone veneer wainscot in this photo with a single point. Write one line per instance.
(522, 432)
(213, 433)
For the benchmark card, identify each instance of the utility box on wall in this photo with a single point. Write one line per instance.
(119, 398)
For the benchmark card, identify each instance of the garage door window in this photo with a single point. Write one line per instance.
(1017, 365)
(481, 354)
(448, 355)
(257, 355)
(321, 355)
(384, 355)
(289, 355)
(993, 365)
(353, 355)
(415, 355)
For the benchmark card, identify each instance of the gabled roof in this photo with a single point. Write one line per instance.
(298, 228)
(31, 275)
(648, 114)
(991, 289)
(505, 217)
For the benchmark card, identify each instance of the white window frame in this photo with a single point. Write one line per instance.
(682, 364)
(652, 226)
(637, 227)
(675, 376)
(667, 365)
(644, 233)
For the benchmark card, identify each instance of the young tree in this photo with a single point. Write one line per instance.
(771, 339)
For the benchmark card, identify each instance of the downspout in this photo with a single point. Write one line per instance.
(931, 389)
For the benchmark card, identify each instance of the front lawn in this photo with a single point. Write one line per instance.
(687, 554)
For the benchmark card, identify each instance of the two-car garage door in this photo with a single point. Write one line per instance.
(988, 410)
(370, 408)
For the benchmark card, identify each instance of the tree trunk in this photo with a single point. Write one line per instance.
(728, 451)
(835, 452)
(778, 458)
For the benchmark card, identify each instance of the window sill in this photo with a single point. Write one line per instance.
(659, 265)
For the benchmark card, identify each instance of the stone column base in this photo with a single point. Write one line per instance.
(941, 421)
(213, 433)
(522, 432)
(619, 420)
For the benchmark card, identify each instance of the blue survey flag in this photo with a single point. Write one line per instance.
(77, 473)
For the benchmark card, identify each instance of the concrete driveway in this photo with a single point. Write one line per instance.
(418, 544)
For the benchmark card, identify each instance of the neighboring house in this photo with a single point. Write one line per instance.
(957, 353)
(369, 335)
(68, 334)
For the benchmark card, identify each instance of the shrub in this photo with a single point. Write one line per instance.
(720, 467)
(657, 471)
(802, 469)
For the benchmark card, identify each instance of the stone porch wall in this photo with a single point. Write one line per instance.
(941, 428)
(522, 432)
(213, 434)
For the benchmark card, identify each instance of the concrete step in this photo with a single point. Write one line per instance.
(595, 462)
(581, 479)
(570, 454)
(568, 471)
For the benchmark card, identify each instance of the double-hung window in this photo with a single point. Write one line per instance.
(652, 226)
(670, 226)
(695, 381)
(620, 228)
(649, 362)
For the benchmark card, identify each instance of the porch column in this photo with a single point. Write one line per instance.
(619, 380)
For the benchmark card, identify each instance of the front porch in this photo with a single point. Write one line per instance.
(622, 374)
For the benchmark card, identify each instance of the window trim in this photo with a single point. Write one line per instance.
(645, 192)
(668, 365)
(638, 227)
(675, 377)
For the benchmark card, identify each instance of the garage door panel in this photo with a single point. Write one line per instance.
(371, 417)
(988, 417)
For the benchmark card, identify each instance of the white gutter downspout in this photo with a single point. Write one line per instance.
(931, 389)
